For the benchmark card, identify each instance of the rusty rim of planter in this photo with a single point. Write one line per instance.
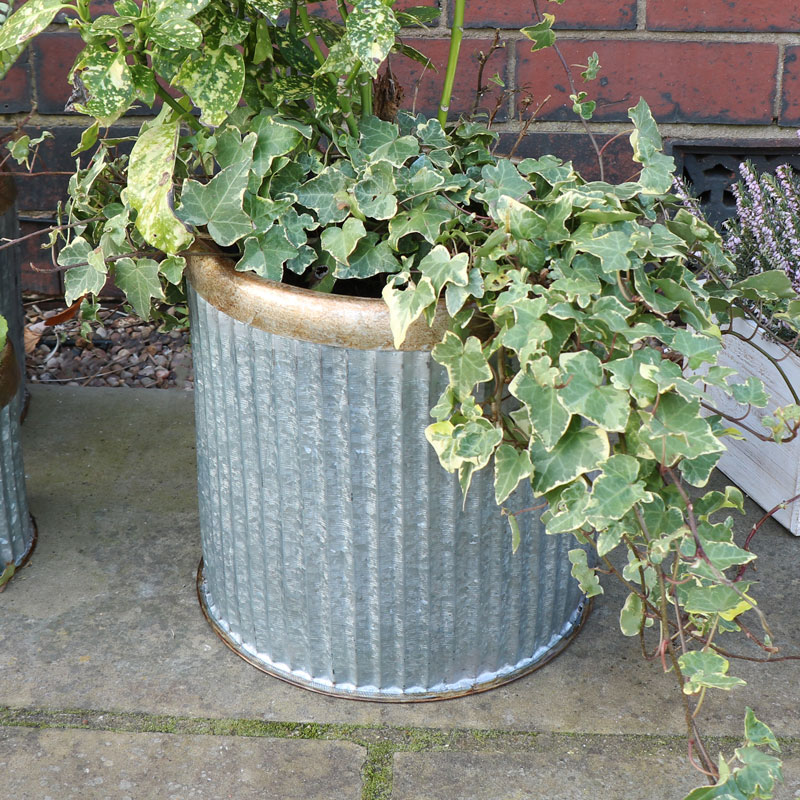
(10, 375)
(227, 639)
(27, 554)
(336, 320)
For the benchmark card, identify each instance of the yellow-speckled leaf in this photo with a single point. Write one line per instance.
(109, 86)
(371, 31)
(150, 188)
(31, 19)
(214, 79)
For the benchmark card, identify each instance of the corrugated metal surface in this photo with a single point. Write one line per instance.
(16, 527)
(10, 297)
(336, 551)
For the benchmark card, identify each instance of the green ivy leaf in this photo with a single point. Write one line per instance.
(218, 204)
(372, 256)
(341, 242)
(149, 191)
(140, 281)
(425, 219)
(87, 273)
(325, 195)
(541, 34)
(510, 467)
(760, 773)
(274, 138)
(751, 392)
(757, 733)
(374, 193)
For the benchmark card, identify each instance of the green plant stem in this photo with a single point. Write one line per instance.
(456, 34)
(178, 108)
(342, 10)
(312, 39)
(365, 87)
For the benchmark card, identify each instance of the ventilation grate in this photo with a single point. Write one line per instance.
(712, 171)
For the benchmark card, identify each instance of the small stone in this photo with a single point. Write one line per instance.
(147, 383)
(161, 375)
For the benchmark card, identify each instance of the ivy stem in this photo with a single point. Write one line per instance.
(456, 34)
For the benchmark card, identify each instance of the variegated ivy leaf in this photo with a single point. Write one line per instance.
(340, 242)
(579, 451)
(630, 617)
(567, 509)
(676, 430)
(657, 169)
(374, 193)
(375, 132)
(442, 268)
(510, 467)
(584, 574)
(751, 392)
(500, 179)
(611, 248)
(218, 204)
(175, 33)
(396, 152)
(370, 31)
(275, 137)
(140, 282)
(547, 415)
(372, 256)
(24, 24)
(406, 304)
(87, 271)
(149, 191)
(472, 442)
(465, 363)
(705, 668)
(267, 253)
(109, 85)
(586, 392)
(326, 195)
(172, 269)
(615, 491)
(426, 219)
(529, 332)
(214, 79)
(456, 296)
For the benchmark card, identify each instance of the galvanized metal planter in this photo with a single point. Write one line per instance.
(10, 296)
(336, 553)
(17, 530)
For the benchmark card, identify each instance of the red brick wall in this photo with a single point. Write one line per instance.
(711, 70)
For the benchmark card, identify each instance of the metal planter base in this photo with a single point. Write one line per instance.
(337, 553)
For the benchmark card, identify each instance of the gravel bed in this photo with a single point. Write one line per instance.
(121, 351)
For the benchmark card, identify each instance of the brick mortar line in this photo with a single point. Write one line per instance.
(781, 70)
(641, 15)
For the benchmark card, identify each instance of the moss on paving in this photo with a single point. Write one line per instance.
(380, 742)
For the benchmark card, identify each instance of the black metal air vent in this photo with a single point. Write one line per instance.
(712, 170)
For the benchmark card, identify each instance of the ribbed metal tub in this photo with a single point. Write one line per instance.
(17, 530)
(10, 295)
(336, 552)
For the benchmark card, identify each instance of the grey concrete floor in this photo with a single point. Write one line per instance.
(112, 685)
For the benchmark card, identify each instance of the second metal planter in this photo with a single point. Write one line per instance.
(336, 551)
(17, 531)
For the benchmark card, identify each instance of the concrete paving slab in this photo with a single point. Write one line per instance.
(556, 768)
(103, 765)
(106, 615)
